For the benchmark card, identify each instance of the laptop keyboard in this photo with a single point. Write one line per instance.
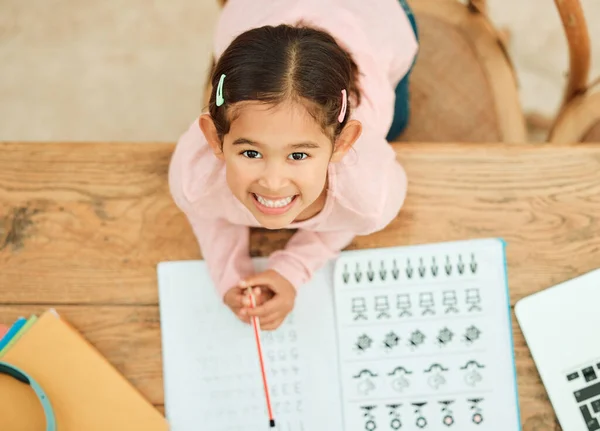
(588, 394)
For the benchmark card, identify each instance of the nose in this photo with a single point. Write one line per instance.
(274, 177)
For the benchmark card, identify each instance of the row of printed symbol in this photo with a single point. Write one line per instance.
(396, 416)
(278, 391)
(280, 336)
(290, 406)
(382, 270)
(231, 377)
(287, 355)
(404, 307)
(400, 379)
(416, 338)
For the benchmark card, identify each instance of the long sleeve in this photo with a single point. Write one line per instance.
(306, 252)
(225, 248)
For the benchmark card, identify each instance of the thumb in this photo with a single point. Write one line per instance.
(243, 286)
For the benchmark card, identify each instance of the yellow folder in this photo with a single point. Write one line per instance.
(85, 390)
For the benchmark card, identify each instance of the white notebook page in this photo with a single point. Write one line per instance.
(210, 360)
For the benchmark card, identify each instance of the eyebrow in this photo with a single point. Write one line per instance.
(307, 144)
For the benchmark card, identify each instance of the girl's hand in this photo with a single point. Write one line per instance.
(278, 297)
(237, 300)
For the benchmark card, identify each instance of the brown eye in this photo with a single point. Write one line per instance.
(251, 154)
(298, 156)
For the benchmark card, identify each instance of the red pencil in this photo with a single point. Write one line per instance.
(256, 325)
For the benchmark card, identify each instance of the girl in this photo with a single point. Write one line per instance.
(304, 94)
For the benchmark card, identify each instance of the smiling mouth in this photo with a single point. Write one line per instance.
(274, 206)
(274, 203)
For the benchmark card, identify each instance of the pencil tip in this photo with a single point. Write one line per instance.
(272, 423)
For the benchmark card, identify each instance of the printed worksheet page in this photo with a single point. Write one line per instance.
(425, 338)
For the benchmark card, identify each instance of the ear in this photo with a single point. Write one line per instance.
(207, 125)
(350, 133)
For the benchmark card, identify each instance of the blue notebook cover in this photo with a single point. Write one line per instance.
(12, 331)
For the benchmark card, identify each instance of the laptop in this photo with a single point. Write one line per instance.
(561, 326)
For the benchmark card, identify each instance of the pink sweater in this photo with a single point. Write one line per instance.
(366, 189)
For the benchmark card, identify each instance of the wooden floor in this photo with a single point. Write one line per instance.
(82, 227)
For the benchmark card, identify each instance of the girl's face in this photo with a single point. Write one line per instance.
(277, 159)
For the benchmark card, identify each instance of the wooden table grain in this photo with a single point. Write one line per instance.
(83, 226)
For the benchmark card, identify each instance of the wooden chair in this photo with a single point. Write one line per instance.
(578, 119)
(463, 86)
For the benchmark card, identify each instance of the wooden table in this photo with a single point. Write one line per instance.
(82, 227)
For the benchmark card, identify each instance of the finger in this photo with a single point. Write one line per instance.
(273, 324)
(237, 311)
(241, 298)
(237, 302)
(257, 293)
(269, 307)
(264, 319)
(266, 295)
(240, 315)
(271, 319)
(232, 294)
(230, 303)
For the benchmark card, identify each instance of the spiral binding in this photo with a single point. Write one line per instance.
(382, 270)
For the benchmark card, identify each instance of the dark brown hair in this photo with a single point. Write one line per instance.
(272, 64)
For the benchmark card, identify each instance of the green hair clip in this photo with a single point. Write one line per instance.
(220, 99)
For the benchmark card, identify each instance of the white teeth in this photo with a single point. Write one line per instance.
(274, 204)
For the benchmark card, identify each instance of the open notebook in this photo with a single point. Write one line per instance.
(403, 338)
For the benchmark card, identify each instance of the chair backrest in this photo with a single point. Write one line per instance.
(463, 87)
(578, 39)
(578, 118)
